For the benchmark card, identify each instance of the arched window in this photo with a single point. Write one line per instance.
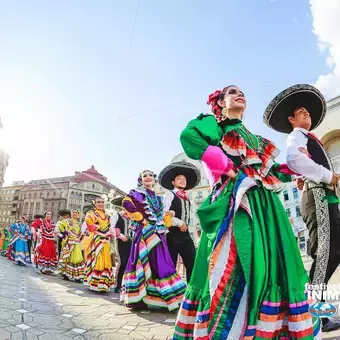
(48, 194)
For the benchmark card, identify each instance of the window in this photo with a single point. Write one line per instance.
(48, 194)
(93, 186)
(295, 193)
(288, 212)
(298, 211)
(35, 195)
(53, 193)
(41, 194)
(285, 195)
(199, 195)
(30, 195)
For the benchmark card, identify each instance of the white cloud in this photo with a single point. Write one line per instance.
(326, 14)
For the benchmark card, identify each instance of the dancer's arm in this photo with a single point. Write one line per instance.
(200, 140)
(91, 221)
(132, 211)
(37, 223)
(299, 162)
(115, 231)
(167, 200)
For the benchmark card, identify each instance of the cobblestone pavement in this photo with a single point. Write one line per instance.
(34, 306)
(38, 307)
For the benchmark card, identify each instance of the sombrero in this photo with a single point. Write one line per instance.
(64, 212)
(190, 171)
(118, 201)
(87, 208)
(38, 216)
(286, 102)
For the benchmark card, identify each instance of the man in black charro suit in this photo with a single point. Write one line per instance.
(177, 178)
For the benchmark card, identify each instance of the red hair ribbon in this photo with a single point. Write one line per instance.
(215, 108)
(212, 99)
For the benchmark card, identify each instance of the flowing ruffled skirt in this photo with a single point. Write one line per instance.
(71, 262)
(98, 272)
(249, 280)
(46, 256)
(18, 251)
(150, 277)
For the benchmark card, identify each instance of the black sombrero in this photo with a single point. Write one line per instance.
(38, 216)
(286, 102)
(118, 201)
(64, 212)
(190, 171)
(87, 208)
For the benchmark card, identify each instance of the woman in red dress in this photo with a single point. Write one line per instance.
(46, 255)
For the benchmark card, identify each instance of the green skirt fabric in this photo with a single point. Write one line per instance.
(249, 280)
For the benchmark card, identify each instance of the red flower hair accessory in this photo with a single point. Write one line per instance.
(215, 108)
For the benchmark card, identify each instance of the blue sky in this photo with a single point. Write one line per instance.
(76, 93)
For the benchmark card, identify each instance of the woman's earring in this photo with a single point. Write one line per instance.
(225, 112)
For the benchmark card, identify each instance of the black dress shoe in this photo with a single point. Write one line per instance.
(331, 325)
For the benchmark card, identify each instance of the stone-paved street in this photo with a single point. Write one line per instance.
(38, 307)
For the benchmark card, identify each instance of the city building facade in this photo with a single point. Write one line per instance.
(69, 192)
(9, 201)
(291, 200)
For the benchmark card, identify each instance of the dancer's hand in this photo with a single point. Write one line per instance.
(171, 212)
(300, 183)
(123, 238)
(231, 174)
(184, 228)
(335, 179)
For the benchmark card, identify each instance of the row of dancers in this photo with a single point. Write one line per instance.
(149, 233)
(247, 279)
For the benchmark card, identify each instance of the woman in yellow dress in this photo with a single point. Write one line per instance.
(71, 262)
(98, 270)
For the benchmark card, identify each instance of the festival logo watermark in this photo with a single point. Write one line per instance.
(323, 292)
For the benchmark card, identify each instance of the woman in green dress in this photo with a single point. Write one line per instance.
(7, 238)
(249, 281)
